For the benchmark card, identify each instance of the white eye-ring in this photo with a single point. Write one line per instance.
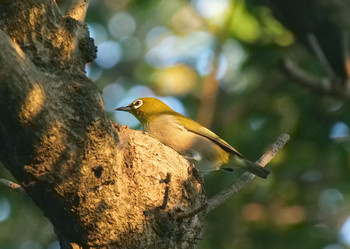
(137, 103)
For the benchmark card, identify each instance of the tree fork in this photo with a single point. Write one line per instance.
(91, 178)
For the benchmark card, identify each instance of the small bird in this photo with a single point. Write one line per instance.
(190, 139)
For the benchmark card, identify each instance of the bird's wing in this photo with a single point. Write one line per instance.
(195, 127)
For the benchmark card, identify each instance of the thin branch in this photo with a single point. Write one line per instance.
(77, 9)
(166, 194)
(11, 185)
(320, 55)
(321, 85)
(192, 213)
(243, 180)
(273, 150)
(166, 198)
(306, 78)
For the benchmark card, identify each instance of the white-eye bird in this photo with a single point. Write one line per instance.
(190, 139)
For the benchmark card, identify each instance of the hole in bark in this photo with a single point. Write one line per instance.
(98, 171)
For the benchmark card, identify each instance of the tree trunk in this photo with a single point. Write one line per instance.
(100, 184)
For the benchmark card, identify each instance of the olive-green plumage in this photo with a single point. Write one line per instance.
(190, 139)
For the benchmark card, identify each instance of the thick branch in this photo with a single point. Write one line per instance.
(243, 180)
(91, 178)
(77, 9)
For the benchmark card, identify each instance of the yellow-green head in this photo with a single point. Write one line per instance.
(146, 108)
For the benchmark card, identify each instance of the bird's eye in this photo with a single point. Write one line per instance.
(138, 103)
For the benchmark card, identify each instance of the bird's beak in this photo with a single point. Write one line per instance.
(124, 108)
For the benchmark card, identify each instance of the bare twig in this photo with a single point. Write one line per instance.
(77, 9)
(273, 150)
(320, 55)
(330, 85)
(243, 180)
(166, 194)
(192, 213)
(321, 85)
(315, 83)
(11, 185)
(166, 198)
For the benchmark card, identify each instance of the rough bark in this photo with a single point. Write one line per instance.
(99, 184)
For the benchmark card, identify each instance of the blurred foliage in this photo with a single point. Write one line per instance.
(167, 49)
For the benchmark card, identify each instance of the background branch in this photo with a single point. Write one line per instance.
(320, 55)
(322, 85)
(77, 9)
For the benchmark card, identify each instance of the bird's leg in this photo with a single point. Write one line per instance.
(166, 194)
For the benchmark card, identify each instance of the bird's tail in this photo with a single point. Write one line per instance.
(255, 169)
(246, 165)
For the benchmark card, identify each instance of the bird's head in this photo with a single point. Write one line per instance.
(146, 108)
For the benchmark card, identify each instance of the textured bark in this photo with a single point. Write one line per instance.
(97, 182)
